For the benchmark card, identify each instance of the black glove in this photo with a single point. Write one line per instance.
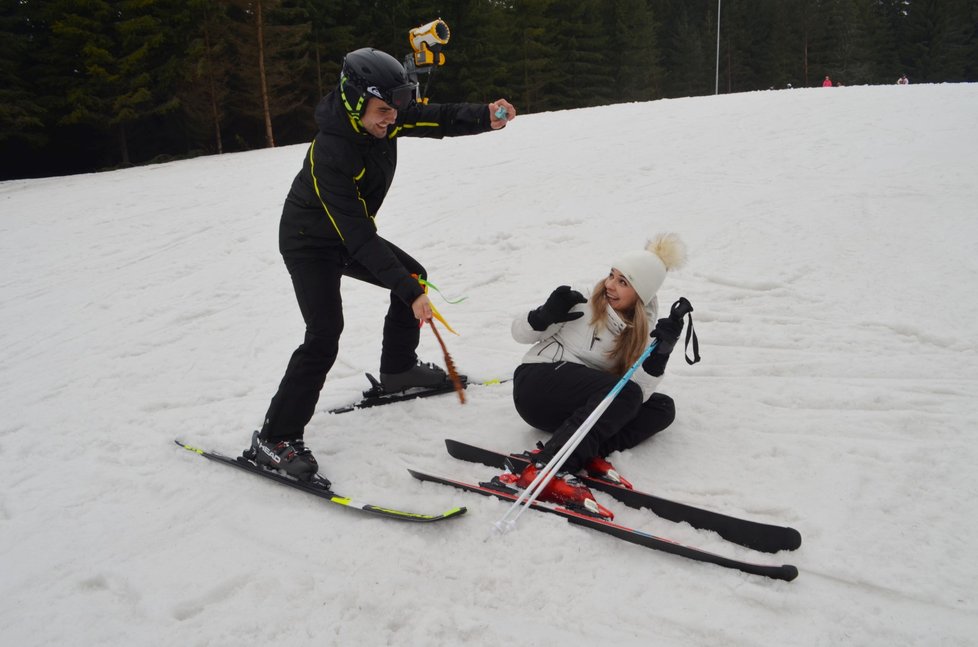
(556, 309)
(666, 334)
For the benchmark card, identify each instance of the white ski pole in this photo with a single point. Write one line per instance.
(508, 521)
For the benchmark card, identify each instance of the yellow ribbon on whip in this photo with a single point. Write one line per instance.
(434, 311)
(437, 315)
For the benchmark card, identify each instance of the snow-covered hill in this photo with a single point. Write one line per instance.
(833, 266)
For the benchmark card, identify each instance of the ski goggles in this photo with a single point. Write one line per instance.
(398, 98)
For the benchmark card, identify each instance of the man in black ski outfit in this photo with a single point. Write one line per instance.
(327, 231)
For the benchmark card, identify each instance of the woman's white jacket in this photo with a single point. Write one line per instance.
(581, 342)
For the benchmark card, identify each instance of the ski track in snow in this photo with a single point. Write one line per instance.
(833, 250)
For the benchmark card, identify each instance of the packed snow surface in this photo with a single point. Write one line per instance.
(833, 242)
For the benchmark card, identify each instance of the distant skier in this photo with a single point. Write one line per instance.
(903, 80)
(827, 83)
(327, 231)
(581, 348)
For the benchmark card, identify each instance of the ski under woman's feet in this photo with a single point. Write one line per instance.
(289, 456)
(564, 488)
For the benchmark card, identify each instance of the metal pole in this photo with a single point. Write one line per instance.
(716, 89)
(526, 498)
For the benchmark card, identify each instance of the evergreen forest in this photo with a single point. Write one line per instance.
(87, 85)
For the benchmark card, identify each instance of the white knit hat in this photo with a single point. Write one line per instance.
(646, 269)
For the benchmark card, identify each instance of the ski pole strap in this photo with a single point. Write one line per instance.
(691, 334)
(681, 309)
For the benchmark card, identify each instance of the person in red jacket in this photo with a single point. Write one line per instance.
(328, 232)
(827, 83)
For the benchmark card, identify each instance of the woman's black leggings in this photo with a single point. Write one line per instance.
(558, 398)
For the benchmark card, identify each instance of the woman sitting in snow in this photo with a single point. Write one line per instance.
(575, 361)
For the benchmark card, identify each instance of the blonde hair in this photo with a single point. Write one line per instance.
(631, 343)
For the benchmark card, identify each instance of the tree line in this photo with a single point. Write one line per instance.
(95, 84)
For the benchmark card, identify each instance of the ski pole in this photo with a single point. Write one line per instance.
(508, 521)
(530, 494)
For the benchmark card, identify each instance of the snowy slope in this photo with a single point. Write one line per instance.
(833, 266)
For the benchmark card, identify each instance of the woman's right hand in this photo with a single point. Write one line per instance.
(556, 309)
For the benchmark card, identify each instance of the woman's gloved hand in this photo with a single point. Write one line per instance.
(557, 308)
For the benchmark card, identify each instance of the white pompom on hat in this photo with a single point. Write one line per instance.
(646, 269)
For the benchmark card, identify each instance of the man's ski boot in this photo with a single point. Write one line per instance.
(423, 374)
(602, 469)
(289, 456)
(563, 488)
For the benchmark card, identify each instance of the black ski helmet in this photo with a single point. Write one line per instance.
(370, 72)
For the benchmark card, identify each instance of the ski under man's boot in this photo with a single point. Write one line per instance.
(289, 456)
(422, 374)
(601, 468)
(563, 488)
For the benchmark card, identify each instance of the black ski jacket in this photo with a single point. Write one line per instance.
(345, 177)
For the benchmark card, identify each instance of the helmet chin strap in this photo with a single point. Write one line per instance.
(353, 113)
(358, 126)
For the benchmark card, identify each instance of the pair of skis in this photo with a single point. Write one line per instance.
(752, 534)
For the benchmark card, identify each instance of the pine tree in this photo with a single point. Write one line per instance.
(785, 65)
(690, 69)
(21, 113)
(636, 64)
(482, 61)
(581, 69)
(112, 64)
(537, 54)
(272, 79)
(971, 48)
(206, 82)
(934, 39)
(332, 37)
(746, 36)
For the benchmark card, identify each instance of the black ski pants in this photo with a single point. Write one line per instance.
(559, 397)
(317, 289)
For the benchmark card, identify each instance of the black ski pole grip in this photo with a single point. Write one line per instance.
(680, 309)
